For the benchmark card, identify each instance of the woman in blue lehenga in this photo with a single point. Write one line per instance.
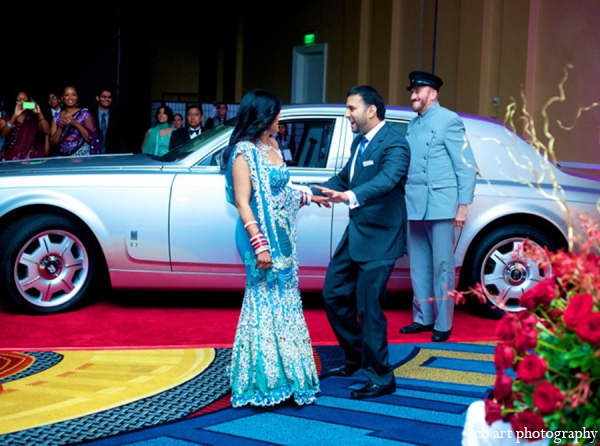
(272, 357)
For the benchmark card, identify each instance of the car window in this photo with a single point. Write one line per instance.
(309, 142)
(399, 126)
(191, 146)
(307, 145)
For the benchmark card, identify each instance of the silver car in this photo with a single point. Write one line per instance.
(147, 223)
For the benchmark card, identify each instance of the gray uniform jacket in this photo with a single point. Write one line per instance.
(442, 170)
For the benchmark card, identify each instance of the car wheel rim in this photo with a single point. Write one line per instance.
(506, 273)
(51, 268)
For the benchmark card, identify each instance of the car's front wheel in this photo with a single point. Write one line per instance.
(47, 264)
(499, 265)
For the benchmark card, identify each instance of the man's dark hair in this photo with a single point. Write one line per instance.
(190, 106)
(102, 89)
(370, 96)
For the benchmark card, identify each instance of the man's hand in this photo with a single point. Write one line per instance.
(320, 200)
(461, 216)
(333, 196)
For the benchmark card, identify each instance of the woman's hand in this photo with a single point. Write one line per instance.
(320, 200)
(64, 121)
(19, 109)
(263, 260)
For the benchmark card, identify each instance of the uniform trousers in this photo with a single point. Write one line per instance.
(353, 295)
(431, 257)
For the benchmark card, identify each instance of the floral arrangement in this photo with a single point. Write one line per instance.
(553, 347)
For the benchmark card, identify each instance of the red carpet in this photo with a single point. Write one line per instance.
(165, 320)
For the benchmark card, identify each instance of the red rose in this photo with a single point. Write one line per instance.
(531, 369)
(504, 356)
(528, 320)
(493, 411)
(579, 306)
(508, 327)
(526, 340)
(503, 387)
(547, 397)
(588, 329)
(541, 294)
(525, 421)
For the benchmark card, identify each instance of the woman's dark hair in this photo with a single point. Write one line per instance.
(256, 114)
(370, 96)
(28, 112)
(167, 111)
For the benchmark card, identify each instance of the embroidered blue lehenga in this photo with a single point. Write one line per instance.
(272, 357)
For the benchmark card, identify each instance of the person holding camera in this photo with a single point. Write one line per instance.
(26, 132)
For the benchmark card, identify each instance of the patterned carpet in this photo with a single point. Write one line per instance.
(180, 397)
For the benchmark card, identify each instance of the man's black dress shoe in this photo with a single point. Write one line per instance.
(415, 327)
(441, 336)
(371, 390)
(346, 370)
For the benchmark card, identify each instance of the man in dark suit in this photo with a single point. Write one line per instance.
(372, 185)
(194, 118)
(220, 116)
(108, 123)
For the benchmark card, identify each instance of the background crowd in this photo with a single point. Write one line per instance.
(60, 126)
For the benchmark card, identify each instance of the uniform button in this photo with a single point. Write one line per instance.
(424, 171)
(427, 143)
(424, 157)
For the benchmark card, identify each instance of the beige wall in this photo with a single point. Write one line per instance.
(486, 49)
(567, 33)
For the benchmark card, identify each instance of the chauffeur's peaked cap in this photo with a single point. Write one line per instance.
(423, 78)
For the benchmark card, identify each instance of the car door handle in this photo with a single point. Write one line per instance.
(307, 183)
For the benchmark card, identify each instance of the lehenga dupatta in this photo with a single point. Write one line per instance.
(275, 206)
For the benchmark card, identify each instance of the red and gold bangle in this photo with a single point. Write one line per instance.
(259, 243)
(304, 199)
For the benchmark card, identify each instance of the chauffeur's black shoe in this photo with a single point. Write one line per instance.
(371, 390)
(346, 370)
(415, 327)
(440, 336)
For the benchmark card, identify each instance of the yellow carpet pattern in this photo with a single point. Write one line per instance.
(86, 382)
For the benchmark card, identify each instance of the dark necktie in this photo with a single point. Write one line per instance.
(103, 125)
(194, 133)
(361, 148)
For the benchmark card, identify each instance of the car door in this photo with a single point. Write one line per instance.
(202, 222)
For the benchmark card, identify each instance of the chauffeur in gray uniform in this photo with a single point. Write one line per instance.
(440, 186)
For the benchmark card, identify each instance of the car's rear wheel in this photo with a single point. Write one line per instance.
(47, 264)
(498, 264)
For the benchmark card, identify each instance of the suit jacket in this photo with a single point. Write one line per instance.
(180, 137)
(115, 136)
(377, 227)
(212, 123)
(442, 169)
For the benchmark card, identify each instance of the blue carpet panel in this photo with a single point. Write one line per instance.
(436, 383)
